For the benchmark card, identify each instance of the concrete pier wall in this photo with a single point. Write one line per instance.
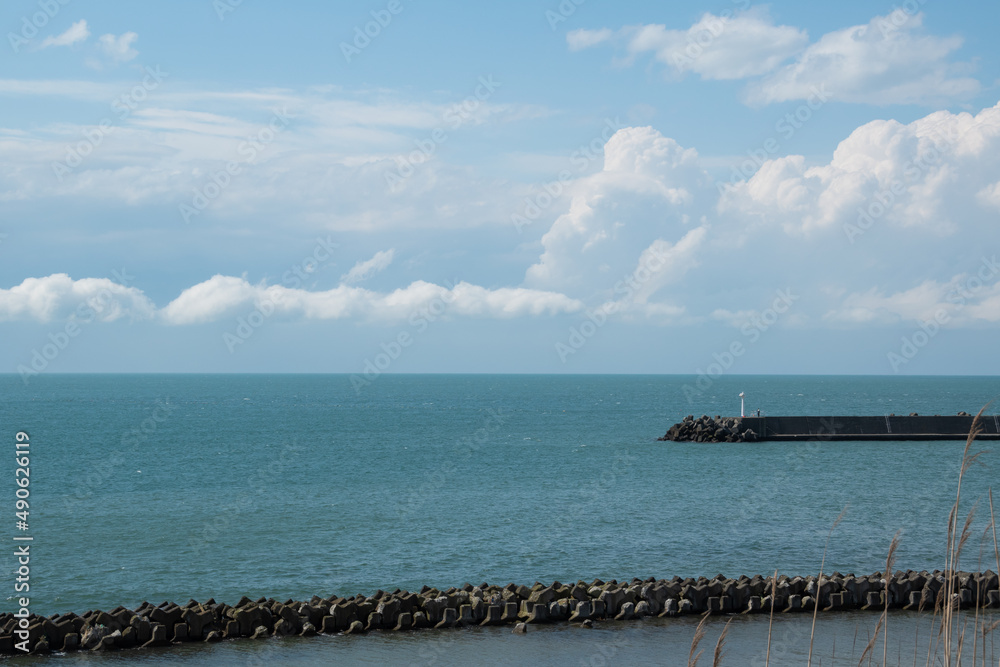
(895, 427)
(886, 427)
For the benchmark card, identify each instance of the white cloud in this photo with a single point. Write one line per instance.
(366, 269)
(727, 46)
(888, 61)
(966, 299)
(934, 174)
(119, 49)
(225, 295)
(716, 47)
(58, 296)
(990, 195)
(644, 194)
(584, 39)
(77, 32)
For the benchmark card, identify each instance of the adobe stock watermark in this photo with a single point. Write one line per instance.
(785, 128)
(107, 466)
(256, 486)
(248, 151)
(455, 116)
(631, 283)
(381, 18)
(464, 449)
(595, 491)
(548, 192)
(752, 330)
(30, 25)
(419, 321)
(93, 137)
(911, 345)
(562, 13)
(885, 199)
(225, 7)
(697, 42)
(293, 278)
(86, 312)
(899, 16)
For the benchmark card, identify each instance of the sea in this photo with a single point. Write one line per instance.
(176, 487)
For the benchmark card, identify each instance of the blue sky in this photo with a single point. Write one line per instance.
(528, 187)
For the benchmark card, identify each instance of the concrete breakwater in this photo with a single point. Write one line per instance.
(484, 605)
(886, 427)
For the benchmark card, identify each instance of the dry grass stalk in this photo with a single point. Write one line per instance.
(717, 660)
(819, 583)
(890, 560)
(699, 634)
(956, 540)
(770, 622)
(993, 523)
(869, 648)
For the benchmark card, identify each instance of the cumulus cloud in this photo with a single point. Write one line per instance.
(368, 268)
(58, 297)
(967, 298)
(640, 201)
(720, 47)
(78, 32)
(118, 49)
(726, 46)
(888, 61)
(224, 295)
(935, 173)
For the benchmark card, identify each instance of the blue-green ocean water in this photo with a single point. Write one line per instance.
(157, 487)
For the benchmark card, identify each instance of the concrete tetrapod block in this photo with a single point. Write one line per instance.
(794, 603)
(450, 618)
(753, 605)
(374, 622)
(509, 612)
(627, 612)
(465, 615)
(874, 601)
(494, 615)
(584, 611)
(143, 629)
(558, 611)
(404, 622)
(158, 636)
(70, 643)
(539, 614)
(669, 608)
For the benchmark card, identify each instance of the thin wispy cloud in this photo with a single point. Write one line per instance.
(78, 32)
(364, 270)
(118, 49)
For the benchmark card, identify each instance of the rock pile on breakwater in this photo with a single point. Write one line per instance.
(581, 602)
(707, 429)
